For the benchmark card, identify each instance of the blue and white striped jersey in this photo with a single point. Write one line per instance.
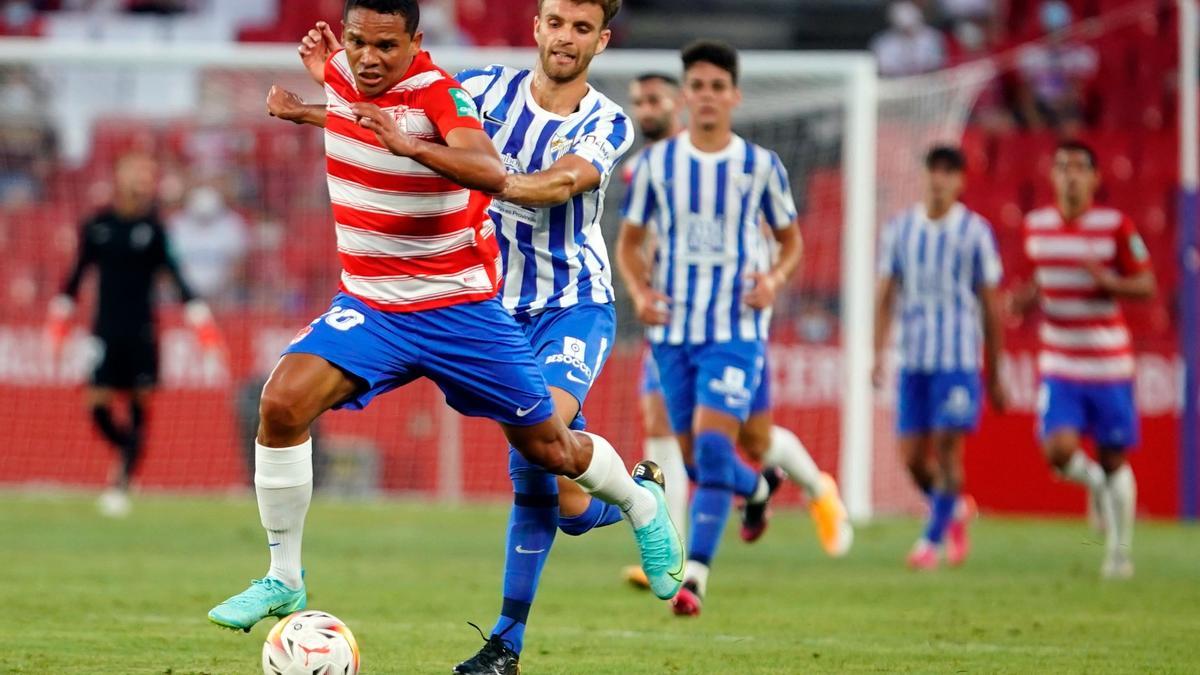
(707, 211)
(553, 257)
(940, 265)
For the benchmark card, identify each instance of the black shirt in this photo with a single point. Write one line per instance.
(128, 254)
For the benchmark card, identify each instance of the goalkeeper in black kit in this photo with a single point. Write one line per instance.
(127, 244)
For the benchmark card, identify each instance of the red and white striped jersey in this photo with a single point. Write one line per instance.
(1083, 333)
(408, 239)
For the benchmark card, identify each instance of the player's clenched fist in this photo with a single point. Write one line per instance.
(386, 129)
(285, 105)
(651, 307)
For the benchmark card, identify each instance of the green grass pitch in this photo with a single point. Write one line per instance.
(80, 594)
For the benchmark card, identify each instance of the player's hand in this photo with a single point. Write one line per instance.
(997, 394)
(315, 49)
(762, 296)
(370, 117)
(285, 105)
(58, 323)
(1104, 277)
(878, 376)
(1020, 302)
(651, 307)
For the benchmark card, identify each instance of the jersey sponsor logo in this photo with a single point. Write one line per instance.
(517, 213)
(596, 144)
(140, 235)
(571, 361)
(464, 105)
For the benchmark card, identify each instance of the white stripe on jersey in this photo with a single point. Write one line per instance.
(706, 210)
(940, 267)
(1084, 338)
(1065, 278)
(387, 290)
(1079, 309)
(553, 257)
(1073, 367)
(416, 204)
(374, 158)
(365, 243)
(1043, 247)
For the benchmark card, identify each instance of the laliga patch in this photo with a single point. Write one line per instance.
(464, 104)
(1138, 248)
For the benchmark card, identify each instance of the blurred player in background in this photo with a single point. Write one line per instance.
(1085, 259)
(128, 245)
(939, 259)
(658, 108)
(409, 165)
(707, 300)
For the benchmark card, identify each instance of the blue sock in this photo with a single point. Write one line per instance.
(598, 514)
(692, 472)
(532, 524)
(745, 479)
(940, 515)
(714, 496)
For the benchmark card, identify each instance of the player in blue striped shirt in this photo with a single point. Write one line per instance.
(939, 259)
(561, 140)
(707, 301)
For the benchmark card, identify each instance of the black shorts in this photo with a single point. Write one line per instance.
(126, 363)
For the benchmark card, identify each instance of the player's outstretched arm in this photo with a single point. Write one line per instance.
(316, 47)
(285, 105)
(468, 158)
(993, 344)
(767, 285)
(649, 304)
(885, 299)
(569, 176)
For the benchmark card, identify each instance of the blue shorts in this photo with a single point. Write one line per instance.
(475, 353)
(1106, 411)
(724, 376)
(571, 344)
(652, 386)
(947, 401)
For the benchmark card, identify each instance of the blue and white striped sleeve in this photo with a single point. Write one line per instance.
(604, 141)
(989, 270)
(889, 260)
(641, 201)
(477, 81)
(778, 206)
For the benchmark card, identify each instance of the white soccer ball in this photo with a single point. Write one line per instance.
(310, 643)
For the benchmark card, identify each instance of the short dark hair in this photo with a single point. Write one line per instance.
(719, 54)
(1072, 145)
(662, 77)
(611, 8)
(945, 157)
(409, 9)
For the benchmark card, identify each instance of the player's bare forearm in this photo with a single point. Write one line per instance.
(1024, 299)
(314, 114)
(568, 177)
(791, 252)
(993, 330)
(1137, 287)
(632, 263)
(475, 168)
(286, 105)
(885, 295)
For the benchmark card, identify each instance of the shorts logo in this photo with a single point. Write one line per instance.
(733, 386)
(958, 403)
(301, 335)
(573, 354)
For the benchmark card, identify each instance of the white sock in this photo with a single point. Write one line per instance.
(283, 481)
(762, 490)
(1122, 490)
(607, 479)
(1083, 470)
(788, 453)
(698, 573)
(666, 453)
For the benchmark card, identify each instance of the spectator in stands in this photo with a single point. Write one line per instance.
(1055, 73)
(210, 242)
(910, 46)
(26, 139)
(955, 11)
(971, 42)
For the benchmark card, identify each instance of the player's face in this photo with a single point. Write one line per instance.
(1075, 179)
(379, 49)
(710, 95)
(655, 107)
(944, 185)
(137, 180)
(569, 35)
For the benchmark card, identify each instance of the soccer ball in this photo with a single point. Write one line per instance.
(310, 643)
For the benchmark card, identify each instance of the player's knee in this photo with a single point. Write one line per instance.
(714, 459)
(1058, 453)
(548, 451)
(281, 412)
(1110, 460)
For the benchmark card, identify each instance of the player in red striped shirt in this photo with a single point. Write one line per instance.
(410, 169)
(1085, 259)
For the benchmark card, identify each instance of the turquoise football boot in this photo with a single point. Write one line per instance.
(659, 541)
(265, 597)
